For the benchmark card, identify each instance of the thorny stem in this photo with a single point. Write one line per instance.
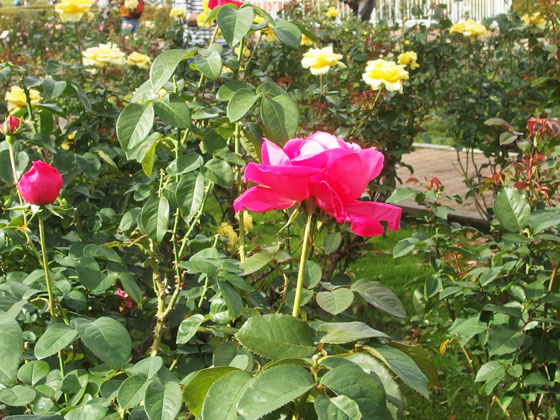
(79, 42)
(302, 262)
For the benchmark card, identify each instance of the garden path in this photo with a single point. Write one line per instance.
(441, 162)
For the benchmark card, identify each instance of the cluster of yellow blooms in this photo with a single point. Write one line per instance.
(535, 20)
(73, 10)
(378, 73)
(110, 54)
(15, 98)
(178, 13)
(469, 29)
(333, 12)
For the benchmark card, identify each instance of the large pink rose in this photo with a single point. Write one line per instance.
(41, 184)
(212, 4)
(333, 172)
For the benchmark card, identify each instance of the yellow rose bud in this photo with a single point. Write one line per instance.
(469, 29)
(226, 230)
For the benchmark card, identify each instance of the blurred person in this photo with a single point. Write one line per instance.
(130, 12)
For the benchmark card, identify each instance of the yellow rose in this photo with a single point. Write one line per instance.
(245, 53)
(15, 98)
(226, 230)
(409, 59)
(306, 41)
(332, 12)
(320, 60)
(470, 29)
(131, 4)
(72, 10)
(535, 20)
(258, 19)
(138, 60)
(202, 16)
(103, 55)
(269, 34)
(381, 73)
(406, 42)
(178, 13)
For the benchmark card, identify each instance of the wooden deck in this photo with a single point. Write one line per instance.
(429, 162)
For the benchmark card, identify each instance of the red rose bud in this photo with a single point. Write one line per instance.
(10, 126)
(212, 4)
(41, 184)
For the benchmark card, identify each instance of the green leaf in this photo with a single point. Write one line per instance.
(130, 286)
(11, 348)
(350, 380)
(512, 209)
(281, 118)
(240, 103)
(32, 372)
(418, 354)
(232, 299)
(164, 66)
(227, 90)
(210, 66)
(332, 242)
(543, 219)
(255, 262)
(404, 246)
(270, 89)
(33, 417)
(287, 32)
(134, 125)
(345, 332)
(107, 339)
(219, 172)
(492, 373)
(189, 195)
(195, 390)
(467, 328)
(154, 218)
(337, 408)
(89, 273)
(173, 111)
(402, 364)
(401, 194)
(162, 402)
(213, 142)
(188, 328)
(336, 301)
(272, 389)
(53, 88)
(234, 24)
(223, 396)
(132, 392)
(184, 164)
(277, 336)
(54, 339)
(148, 367)
(503, 340)
(18, 396)
(149, 159)
(380, 297)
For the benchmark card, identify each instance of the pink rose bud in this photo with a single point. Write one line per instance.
(41, 184)
(58, 27)
(11, 126)
(100, 28)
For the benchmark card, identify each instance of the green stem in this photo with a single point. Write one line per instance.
(321, 84)
(46, 266)
(376, 98)
(241, 214)
(79, 42)
(214, 35)
(302, 262)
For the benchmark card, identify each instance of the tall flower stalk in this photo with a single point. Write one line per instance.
(307, 240)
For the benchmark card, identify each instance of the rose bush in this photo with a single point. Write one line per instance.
(325, 168)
